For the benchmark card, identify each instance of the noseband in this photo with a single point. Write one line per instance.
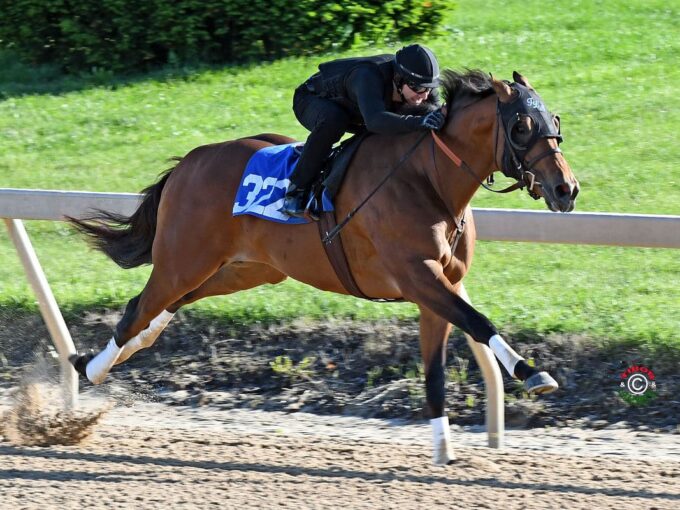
(525, 103)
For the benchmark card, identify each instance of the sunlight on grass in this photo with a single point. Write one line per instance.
(609, 69)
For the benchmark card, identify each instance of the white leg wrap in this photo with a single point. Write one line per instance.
(147, 337)
(100, 365)
(505, 354)
(441, 441)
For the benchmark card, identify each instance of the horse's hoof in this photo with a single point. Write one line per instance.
(445, 461)
(80, 361)
(540, 383)
(444, 455)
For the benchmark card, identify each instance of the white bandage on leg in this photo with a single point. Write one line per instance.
(505, 354)
(147, 337)
(441, 441)
(100, 365)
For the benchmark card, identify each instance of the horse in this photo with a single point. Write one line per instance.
(413, 240)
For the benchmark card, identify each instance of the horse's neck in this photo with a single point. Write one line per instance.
(469, 135)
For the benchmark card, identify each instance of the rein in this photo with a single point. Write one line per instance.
(332, 234)
(523, 176)
(462, 164)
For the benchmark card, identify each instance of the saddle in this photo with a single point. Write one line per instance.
(333, 173)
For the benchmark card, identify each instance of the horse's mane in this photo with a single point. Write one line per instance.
(461, 88)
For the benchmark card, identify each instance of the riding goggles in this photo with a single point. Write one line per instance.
(418, 89)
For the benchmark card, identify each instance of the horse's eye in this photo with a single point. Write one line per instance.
(521, 129)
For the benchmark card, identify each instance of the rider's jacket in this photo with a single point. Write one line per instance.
(363, 87)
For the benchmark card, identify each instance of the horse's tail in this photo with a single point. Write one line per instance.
(127, 240)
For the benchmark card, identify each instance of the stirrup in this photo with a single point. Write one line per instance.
(294, 203)
(312, 209)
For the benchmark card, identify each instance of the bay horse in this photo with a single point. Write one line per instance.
(413, 240)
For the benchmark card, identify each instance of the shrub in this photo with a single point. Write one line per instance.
(128, 35)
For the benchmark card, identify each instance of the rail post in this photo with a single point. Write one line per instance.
(493, 381)
(48, 308)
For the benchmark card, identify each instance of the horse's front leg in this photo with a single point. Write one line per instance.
(426, 285)
(434, 334)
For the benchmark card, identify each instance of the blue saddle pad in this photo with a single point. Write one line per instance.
(264, 183)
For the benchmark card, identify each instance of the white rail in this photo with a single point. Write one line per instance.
(641, 230)
(654, 231)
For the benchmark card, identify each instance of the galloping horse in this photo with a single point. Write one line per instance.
(413, 240)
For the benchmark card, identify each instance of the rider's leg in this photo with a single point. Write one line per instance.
(327, 122)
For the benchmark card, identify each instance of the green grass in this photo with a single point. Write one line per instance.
(609, 68)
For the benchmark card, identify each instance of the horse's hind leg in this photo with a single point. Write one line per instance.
(146, 337)
(434, 334)
(165, 286)
(229, 279)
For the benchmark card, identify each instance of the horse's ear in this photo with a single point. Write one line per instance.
(503, 90)
(521, 79)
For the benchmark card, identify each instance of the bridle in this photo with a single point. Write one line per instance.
(544, 125)
(526, 103)
(513, 162)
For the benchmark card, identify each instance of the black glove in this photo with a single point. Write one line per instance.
(433, 120)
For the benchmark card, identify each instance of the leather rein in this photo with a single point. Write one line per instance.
(522, 172)
(513, 165)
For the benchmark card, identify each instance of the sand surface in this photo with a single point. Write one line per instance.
(152, 455)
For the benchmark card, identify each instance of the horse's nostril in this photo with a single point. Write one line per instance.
(562, 191)
(574, 192)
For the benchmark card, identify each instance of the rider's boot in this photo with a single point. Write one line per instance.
(295, 201)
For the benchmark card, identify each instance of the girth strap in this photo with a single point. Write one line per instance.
(336, 255)
(337, 258)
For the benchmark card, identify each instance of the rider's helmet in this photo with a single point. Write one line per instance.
(417, 66)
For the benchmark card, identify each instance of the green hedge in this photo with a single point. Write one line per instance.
(127, 35)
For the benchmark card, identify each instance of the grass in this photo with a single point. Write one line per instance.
(609, 68)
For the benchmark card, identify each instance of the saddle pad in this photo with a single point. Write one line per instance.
(264, 183)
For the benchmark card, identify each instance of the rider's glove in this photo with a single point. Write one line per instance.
(433, 120)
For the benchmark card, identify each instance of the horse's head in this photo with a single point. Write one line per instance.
(530, 152)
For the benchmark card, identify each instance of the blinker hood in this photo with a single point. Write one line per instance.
(527, 102)
(524, 102)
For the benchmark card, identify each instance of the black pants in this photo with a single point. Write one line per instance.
(327, 122)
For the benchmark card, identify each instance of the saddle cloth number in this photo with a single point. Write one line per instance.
(262, 190)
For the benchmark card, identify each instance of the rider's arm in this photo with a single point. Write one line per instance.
(366, 86)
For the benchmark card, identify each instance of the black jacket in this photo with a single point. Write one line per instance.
(363, 86)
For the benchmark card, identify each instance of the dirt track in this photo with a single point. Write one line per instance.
(159, 456)
(236, 440)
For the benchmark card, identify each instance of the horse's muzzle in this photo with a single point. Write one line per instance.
(562, 197)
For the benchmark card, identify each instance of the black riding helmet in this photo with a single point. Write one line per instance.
(417, 64)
